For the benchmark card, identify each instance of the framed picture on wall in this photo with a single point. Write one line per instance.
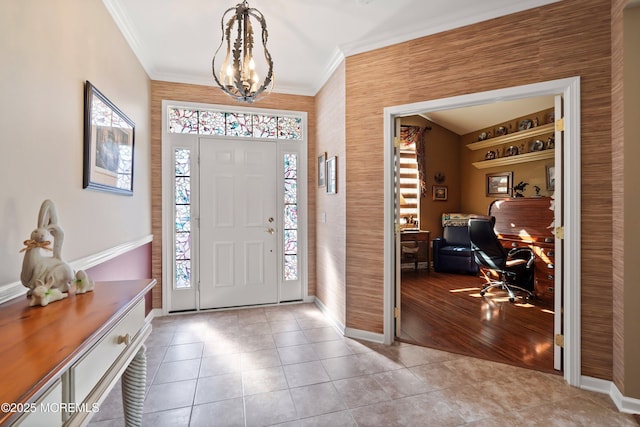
(322, 169)
(108, 145)
(332, 183)
(551, 177)
(499, 184)
(440, 192)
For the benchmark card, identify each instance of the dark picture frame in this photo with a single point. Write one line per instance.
(322, 169)
(551, 177)
(440, 193)
(499, 184)
(332, 182)
(109, 138)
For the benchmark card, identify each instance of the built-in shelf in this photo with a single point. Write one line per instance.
(520, 158)
(516, 136)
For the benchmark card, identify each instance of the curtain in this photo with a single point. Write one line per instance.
(412, 138)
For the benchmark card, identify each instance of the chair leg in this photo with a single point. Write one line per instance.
(507, 287)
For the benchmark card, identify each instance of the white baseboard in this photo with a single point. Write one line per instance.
(349, 332)
(16, 289)
(624, 404)
(156, 312)
(359, 334)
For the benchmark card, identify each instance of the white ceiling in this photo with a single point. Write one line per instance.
(175, 40)
(465, 120)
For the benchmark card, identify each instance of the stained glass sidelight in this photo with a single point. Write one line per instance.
(182, 232)
(290, 217)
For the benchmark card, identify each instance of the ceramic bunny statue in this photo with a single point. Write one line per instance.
(50, 272)
(83, 282)
(43, 294)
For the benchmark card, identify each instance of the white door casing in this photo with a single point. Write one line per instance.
(569, 217)
(558, 222)
(288, 146)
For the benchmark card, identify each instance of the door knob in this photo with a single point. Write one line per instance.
(270, 230)
(271, 219)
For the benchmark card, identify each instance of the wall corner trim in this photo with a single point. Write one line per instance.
(334, 322)
(628, 405)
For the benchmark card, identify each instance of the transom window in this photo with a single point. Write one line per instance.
(234, 124)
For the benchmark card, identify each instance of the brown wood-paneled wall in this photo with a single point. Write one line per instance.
(331, 241)
(207, 94)
(541, 44)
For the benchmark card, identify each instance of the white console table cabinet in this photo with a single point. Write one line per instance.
(58, 362)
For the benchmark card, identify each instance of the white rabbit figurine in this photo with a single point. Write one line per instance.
(83, 282)
(37, 269)
(43, 294)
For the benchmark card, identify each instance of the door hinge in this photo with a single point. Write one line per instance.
(560, 340)
(560, 124)
(396, 142)
(396, 312)
(559, 232)
(396, 227)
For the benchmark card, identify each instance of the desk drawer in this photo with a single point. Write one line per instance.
(87, 372)
(47, 409)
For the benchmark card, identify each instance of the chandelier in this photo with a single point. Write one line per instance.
(238, 75)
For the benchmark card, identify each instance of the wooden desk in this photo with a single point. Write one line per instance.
(525, 222)
(70, 352)
(423, 239)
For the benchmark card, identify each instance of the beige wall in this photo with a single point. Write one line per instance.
(536, 45)
(48, 50)
(330, 220)
(474, 180)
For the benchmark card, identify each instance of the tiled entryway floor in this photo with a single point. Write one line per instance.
(287, 366)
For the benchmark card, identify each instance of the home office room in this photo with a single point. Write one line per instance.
(493, 161)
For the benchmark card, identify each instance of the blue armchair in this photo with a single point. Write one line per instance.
(452, 252)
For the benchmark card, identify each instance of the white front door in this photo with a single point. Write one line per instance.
(238, 223)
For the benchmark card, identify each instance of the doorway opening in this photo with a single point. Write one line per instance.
(566, 300)
(234, 206)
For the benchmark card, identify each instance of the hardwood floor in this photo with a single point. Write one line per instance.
(445, 311)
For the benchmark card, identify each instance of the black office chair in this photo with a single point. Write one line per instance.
(514, 269)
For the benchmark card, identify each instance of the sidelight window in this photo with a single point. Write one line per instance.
(182, 206)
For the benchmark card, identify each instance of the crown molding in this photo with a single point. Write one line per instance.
(388, 38)
(126, 28)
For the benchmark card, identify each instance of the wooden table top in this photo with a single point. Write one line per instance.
(38, 344)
